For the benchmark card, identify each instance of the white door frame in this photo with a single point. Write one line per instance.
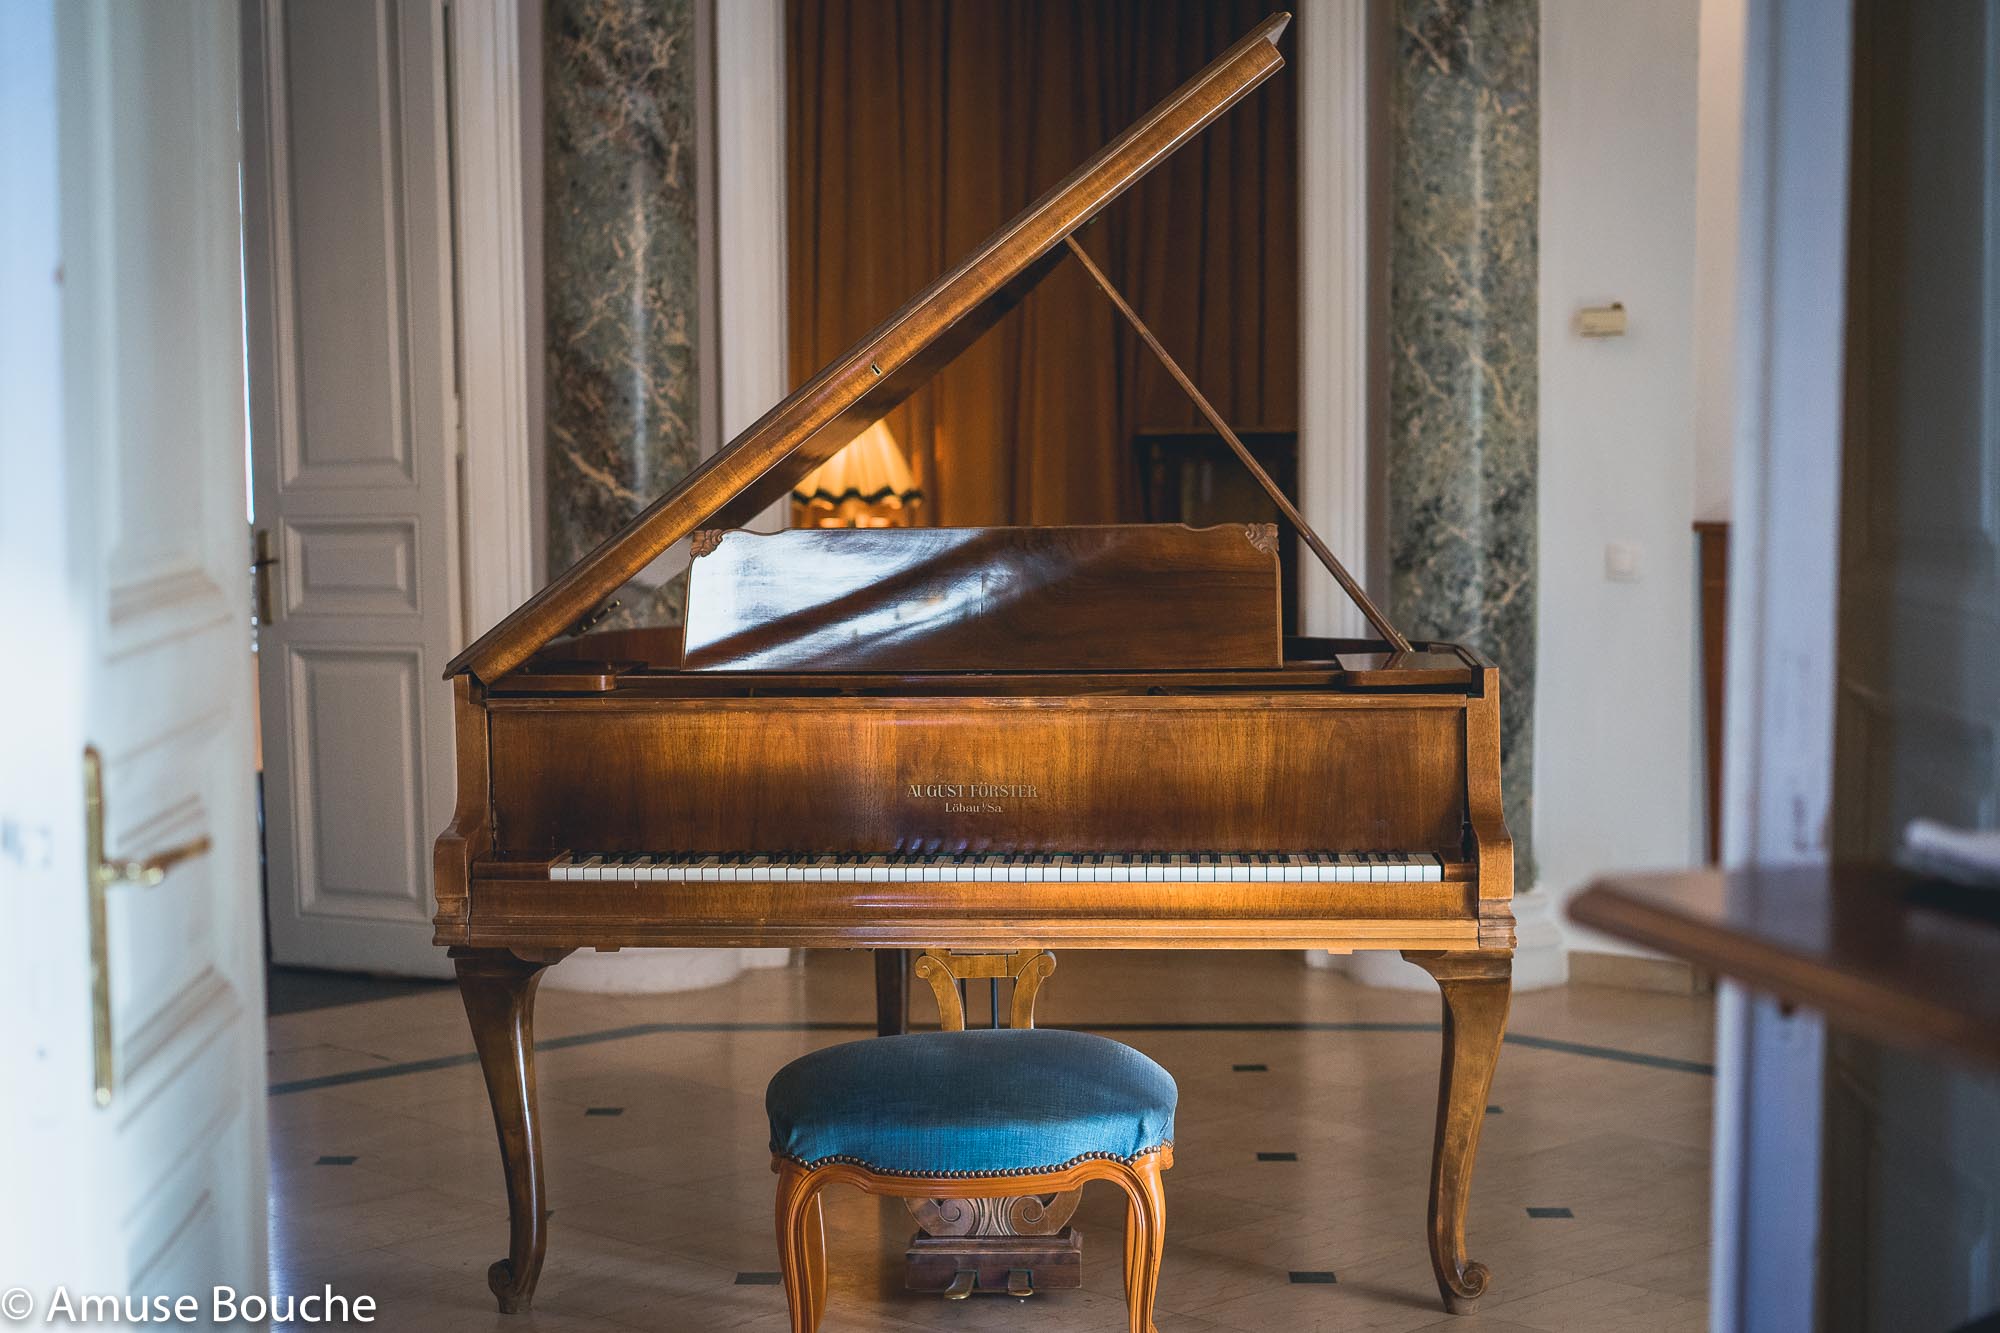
(1784, 551)
(498, 348)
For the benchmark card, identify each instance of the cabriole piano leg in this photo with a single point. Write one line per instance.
(498, 988)
(1477, 988)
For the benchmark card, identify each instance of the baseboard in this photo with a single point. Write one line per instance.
(1539, 960)
(1627, 971)
(645, 971)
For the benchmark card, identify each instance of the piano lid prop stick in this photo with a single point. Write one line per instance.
(1346, 581)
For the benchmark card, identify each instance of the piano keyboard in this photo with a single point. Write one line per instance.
(1003, 867)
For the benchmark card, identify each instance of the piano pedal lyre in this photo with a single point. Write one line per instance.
(1017, 1245)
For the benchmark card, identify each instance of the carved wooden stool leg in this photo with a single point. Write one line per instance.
(815, 1261)
(1477, 988)
(499, 993)
(1145, 1243)
(801, 1247)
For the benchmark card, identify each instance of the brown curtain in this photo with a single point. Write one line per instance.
(919, 126)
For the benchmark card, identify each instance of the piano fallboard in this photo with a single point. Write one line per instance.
(1280, 763)
(1134, 772)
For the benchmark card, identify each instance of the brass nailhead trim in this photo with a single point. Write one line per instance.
(849, 1160)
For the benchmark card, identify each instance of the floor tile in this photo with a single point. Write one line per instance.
(659, 1208)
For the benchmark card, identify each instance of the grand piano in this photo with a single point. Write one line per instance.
(982, 740)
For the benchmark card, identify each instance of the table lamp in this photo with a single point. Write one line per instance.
(866, 485)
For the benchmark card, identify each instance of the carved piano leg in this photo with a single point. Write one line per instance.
(892, 992)
(499, 993)
(1477, 988)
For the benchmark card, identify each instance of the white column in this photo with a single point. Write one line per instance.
(1334, 297)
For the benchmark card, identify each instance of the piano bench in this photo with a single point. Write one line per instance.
(986, 1114)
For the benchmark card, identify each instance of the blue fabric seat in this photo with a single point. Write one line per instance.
(985, 1102)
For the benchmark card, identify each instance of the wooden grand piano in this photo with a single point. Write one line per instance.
(913, 763)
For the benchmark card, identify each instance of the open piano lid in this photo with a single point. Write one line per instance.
(885, 367)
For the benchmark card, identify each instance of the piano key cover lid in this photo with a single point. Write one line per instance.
(886, 366)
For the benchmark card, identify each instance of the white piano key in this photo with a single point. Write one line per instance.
(1040, 868)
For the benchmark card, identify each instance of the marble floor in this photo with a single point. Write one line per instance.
(1303, 1145)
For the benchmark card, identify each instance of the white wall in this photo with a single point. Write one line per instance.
(1615, 727)
(1717, 188)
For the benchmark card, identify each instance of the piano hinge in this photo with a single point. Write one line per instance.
(589, 621)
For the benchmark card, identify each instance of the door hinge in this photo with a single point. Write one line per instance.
(261, 561)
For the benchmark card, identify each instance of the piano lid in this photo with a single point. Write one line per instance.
(885, 367)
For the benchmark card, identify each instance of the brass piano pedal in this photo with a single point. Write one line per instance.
(962, 1283)
(1021, 1282)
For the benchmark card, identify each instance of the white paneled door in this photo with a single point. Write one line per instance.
(354, 434)
(133, 1152)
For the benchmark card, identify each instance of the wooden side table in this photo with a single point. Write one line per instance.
(1906, 961)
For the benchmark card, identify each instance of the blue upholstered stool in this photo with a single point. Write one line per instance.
(982, 1114)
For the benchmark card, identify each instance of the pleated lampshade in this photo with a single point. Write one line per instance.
(866, 484)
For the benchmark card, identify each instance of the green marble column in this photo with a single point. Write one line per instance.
(1465, 131)
(620, 277)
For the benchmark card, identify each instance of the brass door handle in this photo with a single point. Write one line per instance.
(104, 874)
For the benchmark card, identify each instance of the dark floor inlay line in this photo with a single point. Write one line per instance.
(759, 1279)
(1250, 1069)
(604, 1110)
(1323, 1275)
(1277, 1157)
(662, 1029)
(1493, 1110)
(1550, 1212)
(331, 1160)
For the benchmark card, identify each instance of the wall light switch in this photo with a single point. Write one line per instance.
(1621, 562)
(1601, 321)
